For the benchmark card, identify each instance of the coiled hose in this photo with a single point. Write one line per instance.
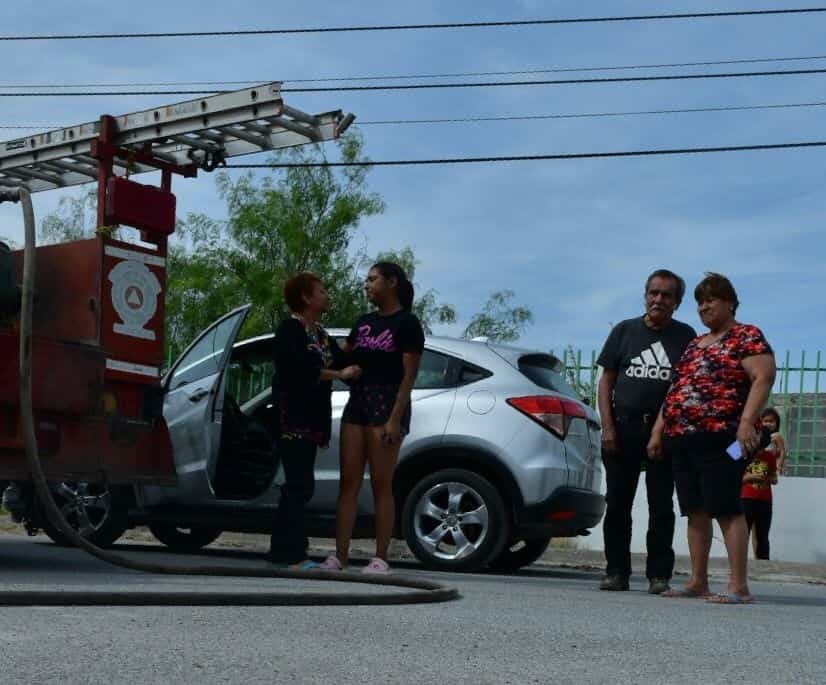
(418, 591)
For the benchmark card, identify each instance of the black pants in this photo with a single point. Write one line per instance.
(622, 473)
(759, 520)
(288, 542)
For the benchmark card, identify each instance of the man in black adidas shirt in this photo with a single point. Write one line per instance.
(637, 360)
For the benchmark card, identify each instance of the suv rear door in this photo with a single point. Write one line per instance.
(582, 441)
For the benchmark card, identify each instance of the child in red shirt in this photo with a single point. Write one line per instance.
(756, 492)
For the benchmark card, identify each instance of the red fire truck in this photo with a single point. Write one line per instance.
(97, 343)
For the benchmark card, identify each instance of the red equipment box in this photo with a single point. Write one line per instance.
(134, 204)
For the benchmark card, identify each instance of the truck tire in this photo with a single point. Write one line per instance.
(99, 512)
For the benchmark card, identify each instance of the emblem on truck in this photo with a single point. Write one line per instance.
(135, 291)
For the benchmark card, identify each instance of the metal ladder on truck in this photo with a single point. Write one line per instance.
(97, 337)
(184, 137)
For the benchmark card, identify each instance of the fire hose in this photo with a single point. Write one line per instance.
(417, 591)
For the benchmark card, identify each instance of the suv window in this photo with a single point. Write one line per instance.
(470, 374)
(541, 369)
(435, 371)
(247, 378)
(204, 359)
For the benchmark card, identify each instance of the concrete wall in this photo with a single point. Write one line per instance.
(798, 531)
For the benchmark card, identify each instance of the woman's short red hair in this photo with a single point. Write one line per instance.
(297, 287)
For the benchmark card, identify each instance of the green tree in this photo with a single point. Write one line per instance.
(500, 320)
(295, 219)
(74, 219)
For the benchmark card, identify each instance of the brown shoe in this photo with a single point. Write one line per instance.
(614, 583)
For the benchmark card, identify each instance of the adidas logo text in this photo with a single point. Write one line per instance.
(653, 363)
(653, 372)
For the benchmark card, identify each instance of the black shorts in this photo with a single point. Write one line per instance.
(371, 405)
(705, 476)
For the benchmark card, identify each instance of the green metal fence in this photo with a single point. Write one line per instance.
(799, 395)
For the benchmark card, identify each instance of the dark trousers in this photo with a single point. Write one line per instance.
(759, 520)
(288, 542)
(622, 473)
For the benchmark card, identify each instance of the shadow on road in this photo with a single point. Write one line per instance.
(37, 561)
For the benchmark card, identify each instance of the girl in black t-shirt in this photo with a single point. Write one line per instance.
(387, 345)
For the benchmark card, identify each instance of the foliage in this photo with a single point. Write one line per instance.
(499, 320)
(302, 218)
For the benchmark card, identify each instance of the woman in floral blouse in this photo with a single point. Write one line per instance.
(304, 359)
(708, 424)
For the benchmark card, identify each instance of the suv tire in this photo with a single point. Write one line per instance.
(182, 538)
(511, 560)
(455, 520)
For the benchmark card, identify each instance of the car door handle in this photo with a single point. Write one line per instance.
(198, 395)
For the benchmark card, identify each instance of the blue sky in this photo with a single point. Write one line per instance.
(574, 240)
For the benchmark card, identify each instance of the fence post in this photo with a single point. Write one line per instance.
(785, 386)
(800, 406)
(593, 381)
(815, 416)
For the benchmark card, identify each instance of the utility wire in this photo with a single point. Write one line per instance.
(533, 158)
(526, 117)
(430, 86)
(587, 115)
(411, 27)
(400, 77)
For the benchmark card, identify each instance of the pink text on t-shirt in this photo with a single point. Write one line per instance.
(383, 342)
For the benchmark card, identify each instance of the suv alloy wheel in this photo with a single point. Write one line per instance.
(455, 520)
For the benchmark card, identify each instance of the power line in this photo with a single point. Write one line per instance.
(440, 86)
(411, 27)
(589, 115)
(527, 117)
(534, 158)
(399, 77)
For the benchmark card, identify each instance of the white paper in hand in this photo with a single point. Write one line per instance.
(734, 451)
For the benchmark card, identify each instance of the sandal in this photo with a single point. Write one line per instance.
(730, 598)
(687, 593)
(331, 563)
(306, 565)
(377, 567)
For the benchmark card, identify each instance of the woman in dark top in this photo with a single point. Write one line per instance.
(387, 345)
(708, 425)
(304, 357)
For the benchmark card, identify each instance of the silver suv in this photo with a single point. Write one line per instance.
(502, 455)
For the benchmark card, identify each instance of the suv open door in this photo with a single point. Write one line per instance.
(194, 403)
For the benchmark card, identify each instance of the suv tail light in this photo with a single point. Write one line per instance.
(552, 413)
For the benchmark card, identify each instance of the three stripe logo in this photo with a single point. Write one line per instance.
(652, 363)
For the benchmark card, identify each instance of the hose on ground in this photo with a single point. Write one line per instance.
(418, 591)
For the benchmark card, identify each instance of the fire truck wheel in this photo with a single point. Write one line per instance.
(184, 539)
(96, 510)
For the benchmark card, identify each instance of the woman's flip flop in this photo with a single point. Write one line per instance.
(687, 593)
(730, 598)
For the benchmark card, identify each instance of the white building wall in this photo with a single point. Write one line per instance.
(798, 531)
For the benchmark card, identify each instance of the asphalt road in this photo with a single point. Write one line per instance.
(544, 625)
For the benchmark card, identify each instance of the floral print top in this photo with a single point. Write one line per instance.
(710, 386)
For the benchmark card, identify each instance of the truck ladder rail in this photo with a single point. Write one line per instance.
(199, 133)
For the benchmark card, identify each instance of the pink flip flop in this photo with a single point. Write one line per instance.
(331, 563)
(377, 567)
